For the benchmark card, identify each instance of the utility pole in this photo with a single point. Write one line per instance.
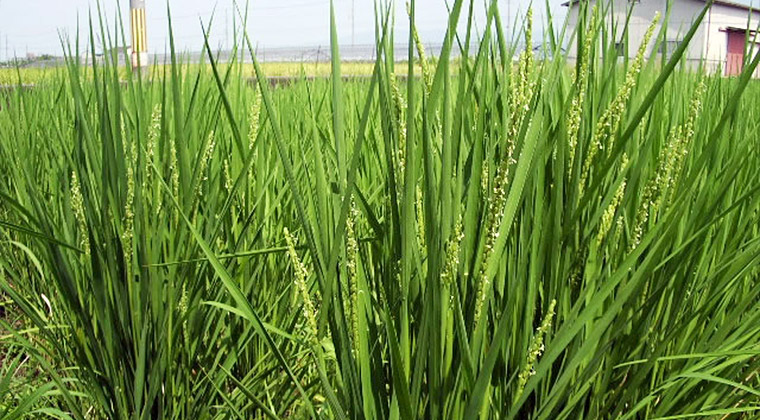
(139, 34)
(353, 23)
(1, 40)
(509, 22)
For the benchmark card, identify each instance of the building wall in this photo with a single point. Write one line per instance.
(683, 13)
(709, 42)
(718, 19)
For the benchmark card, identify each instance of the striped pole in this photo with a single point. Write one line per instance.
(139, 33)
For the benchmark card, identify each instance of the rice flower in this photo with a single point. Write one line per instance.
(619, 226)
(420, 217)
(254, 115)
(581, 80)
(522, 93)
(399, 108)
(520, 106)
(670, 163)
(610, 120)
(174, 167)
(451, 261)
(535, 350)
(493, 224)
(253, 130)
(681, 148)
(227, 176)
(77, 204)
(302, 275)
(205, 158)
(427, 77)
(154, 132)
(129, 215)
(352, 251)
(609, 214)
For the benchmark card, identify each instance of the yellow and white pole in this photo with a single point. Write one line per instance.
(139, 34)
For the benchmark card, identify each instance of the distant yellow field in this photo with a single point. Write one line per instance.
(275, 69)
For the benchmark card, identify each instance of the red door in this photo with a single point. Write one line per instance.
(735, 53)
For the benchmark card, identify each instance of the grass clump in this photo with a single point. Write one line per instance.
(493, 239)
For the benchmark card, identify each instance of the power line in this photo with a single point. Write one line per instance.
(252, 9)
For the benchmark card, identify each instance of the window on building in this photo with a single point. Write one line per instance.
(620, 48)
(669, 46)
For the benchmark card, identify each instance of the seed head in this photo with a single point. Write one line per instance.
(581, 80)
(174, 167)
(609, 214)
(77, 204)
(424, 65)
(451, 264)
(227, 176)
(608, 124)
(420, 218)
(129, 216)
(352, 250)
(154, 131)
(399, 108)
(301, 277)
(535, 350)
(205, 158)
(661, 186)
(253, 128)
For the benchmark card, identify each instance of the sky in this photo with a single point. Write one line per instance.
(33, 26)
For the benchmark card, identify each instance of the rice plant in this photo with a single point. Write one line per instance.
(539, 238)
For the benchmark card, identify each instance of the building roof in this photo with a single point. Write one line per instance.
(737, 4)
(740, 4)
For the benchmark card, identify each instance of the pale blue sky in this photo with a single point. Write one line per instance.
(33, 25)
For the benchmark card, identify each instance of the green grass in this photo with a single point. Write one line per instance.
(495, 240)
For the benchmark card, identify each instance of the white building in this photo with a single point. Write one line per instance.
(719, 41)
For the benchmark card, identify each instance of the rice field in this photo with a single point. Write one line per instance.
(492, 238)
